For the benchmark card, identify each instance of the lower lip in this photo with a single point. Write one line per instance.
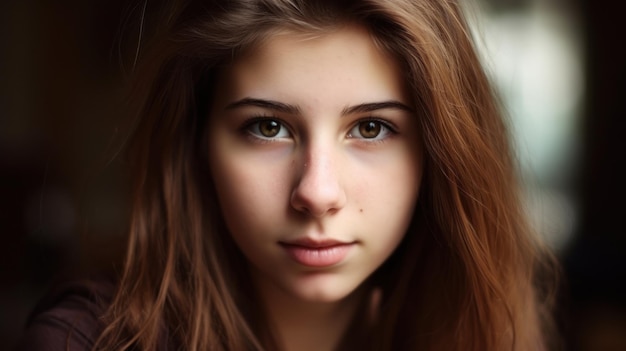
(318, 256)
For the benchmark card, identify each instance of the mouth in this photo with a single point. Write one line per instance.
(317, 253)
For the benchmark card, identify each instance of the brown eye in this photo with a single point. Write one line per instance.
(269, 128)
(369, 129)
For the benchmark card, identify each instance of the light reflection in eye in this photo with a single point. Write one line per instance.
(370, 130)
(268, 129)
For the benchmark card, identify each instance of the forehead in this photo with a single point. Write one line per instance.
(344, 62)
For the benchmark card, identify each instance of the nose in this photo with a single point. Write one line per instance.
(318, 190)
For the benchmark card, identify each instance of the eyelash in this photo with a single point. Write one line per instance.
(245, 128)
(391, 129)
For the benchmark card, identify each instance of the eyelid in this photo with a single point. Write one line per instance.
(248, 123)
(387, 125)
(388, 128)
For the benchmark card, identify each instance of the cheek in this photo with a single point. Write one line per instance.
(387, 198)
(390, 187)
(250, 196)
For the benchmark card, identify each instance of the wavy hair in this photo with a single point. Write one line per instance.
(465, 277)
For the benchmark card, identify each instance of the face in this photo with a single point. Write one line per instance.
(314, 151)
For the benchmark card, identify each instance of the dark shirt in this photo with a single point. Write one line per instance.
(68, 317)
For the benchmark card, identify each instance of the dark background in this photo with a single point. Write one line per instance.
(63, 193)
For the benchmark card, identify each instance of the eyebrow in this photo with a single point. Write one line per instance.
(294, 110)
(269, 104)
(374, 106)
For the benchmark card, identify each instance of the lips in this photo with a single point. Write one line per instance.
(317, 253)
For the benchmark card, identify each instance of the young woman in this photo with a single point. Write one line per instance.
(318, 175)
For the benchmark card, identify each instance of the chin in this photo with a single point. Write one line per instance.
(324, 291)
(324, 296)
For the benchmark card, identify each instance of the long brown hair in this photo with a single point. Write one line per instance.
(465, 276)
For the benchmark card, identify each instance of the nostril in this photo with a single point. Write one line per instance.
(317, 199)
(317, 189)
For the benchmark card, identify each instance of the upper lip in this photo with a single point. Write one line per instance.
(314, 243)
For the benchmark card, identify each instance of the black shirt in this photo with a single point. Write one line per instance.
(68, 317)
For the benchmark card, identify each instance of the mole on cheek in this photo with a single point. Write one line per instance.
(361, 210)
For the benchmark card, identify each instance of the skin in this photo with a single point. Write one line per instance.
(292, 158)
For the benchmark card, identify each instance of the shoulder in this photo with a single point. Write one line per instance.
(68, 317)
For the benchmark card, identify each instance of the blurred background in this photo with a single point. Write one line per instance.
(559, 65)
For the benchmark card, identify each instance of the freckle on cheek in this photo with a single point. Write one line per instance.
(361, 210)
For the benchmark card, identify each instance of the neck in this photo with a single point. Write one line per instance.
(299, 325)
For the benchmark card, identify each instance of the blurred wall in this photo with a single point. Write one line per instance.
(595, 264)
(62, 203)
